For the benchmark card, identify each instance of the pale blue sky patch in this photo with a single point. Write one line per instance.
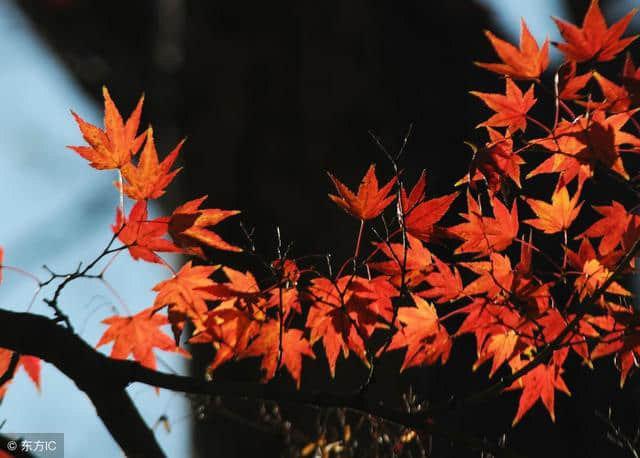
(57, 211)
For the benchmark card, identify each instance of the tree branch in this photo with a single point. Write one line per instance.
(104, 380)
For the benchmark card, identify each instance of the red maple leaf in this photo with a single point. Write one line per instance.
(568, 83)
(511, 109)
(420, 331)
(594, 40)
(539, 383)
(143, 237)
(556, 216)
(185, 295)
(188, 227)
(612, 227)
(267, 345)
(112, 147)
(149, 178)
(420, 214)
(138, 335)
(525, 63)
(340, 317)
(370, 200)
(415, 265)
(445, 283)
(484, 234)
(493, 163)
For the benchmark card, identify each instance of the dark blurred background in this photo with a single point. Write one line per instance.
(271, 95)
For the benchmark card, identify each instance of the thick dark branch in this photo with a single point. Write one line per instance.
(94, 373)
(104, 380)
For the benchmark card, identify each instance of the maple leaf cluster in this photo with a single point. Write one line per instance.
(424, 283)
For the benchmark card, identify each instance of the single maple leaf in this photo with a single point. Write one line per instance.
(539, 383)
(594, 40)
(149, 178)
(340, 317)
(611, 227)
(496, 276)
(287, 299)
(242, 291)
(556, 216)
(188, 223)
(267, 345)
(493, 163)
(511, 109)
(616, 98)
(112, 147)
(445, 283)
(415, 264)
(525, 63)
(143, 237)
(185, 295)
(421, 215)
(484, 234)
(420, 331)
(499, 347)
(138, 335)
(370, 201)
(568, 83)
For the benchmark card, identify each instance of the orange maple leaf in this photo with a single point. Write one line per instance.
(445, 283)
(112, 147)
(185, 295)
(594, 40)
(556, 216)
(568, 83)
(415, 265)
(143, 237)
(340, 316)
(493, 163)
(611, 227)
(526, 63)
(149, 178)
(496, 276)
(484, 234)
(267, 345)
(370, 201)
(616, 98)
(420, 214)
(188, 223)
(138, 335)
(539, 383)
(423, 335)
(511, 109)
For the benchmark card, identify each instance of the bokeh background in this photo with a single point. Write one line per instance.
(270, 95)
